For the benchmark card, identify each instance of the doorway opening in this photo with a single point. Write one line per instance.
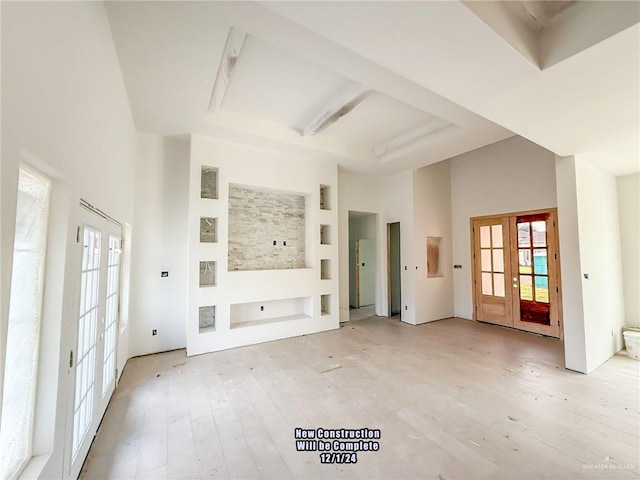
(362, 264)
(516, 271)
(394, 269)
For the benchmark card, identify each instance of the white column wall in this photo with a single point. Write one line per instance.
(629, 211)
(432, 217)
(391, 198)
(600, 259)
(160, 244)
(575, 352)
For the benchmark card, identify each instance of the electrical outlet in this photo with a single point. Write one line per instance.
(154, 332)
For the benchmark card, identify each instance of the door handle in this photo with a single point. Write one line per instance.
(515, 279)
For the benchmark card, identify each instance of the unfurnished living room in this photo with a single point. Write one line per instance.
(307, 239)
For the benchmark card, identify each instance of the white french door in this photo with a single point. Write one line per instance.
(97, 313)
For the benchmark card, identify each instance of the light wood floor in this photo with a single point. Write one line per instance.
(454, 400)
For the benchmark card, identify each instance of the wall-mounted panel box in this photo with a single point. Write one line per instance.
(325, 235)
(208, 274)
(209, 182)
(325, 269)
(270, 311)
(207, 319)
(325, 197)
(208, 230)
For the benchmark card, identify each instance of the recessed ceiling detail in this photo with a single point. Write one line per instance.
(274, 85)
(549, 31)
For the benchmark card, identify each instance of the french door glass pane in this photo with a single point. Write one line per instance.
(88, 326)
(496, 236)
(485, 236)
(498, 260)
(524, 235)
(524, 260)
(485, 259)
(487, 289)
(542, 289)
(540, 261)
(111, 318)
(539, 233)
(526, 287)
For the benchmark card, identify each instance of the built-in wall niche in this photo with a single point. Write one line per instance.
(209, 182)
(325, 234)
(208, 230)
(208, 274)
(325, 197)
(325, 269)
(207, 319)
(434, 254)
(266, 229)
(270, 311)
(325, 304)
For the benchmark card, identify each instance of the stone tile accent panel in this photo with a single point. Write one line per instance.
(266, 229)
(209, 182)
(208, 229)
(207, 318)
(208, 274)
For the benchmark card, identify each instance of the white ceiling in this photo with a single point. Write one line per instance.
(422, 61)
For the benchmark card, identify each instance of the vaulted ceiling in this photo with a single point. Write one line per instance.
(381, 86)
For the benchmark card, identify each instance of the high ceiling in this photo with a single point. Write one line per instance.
(404, 84)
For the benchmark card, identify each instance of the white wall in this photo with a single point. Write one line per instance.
(269, 169)
(575, 349)
(64, 109)
(160, 243)
(355, 193)
(600, 259)
(629, 211)
(391, 197)
(509, 176)
(432, 217)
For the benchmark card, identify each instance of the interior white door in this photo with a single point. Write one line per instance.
(366, 255)
(97, 312)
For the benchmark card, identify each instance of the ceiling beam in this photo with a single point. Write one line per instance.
(410, 140)
(230, 54)
(338, 109)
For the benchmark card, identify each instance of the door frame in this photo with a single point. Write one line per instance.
(90, 217)
(389, 292)
(555, 238)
